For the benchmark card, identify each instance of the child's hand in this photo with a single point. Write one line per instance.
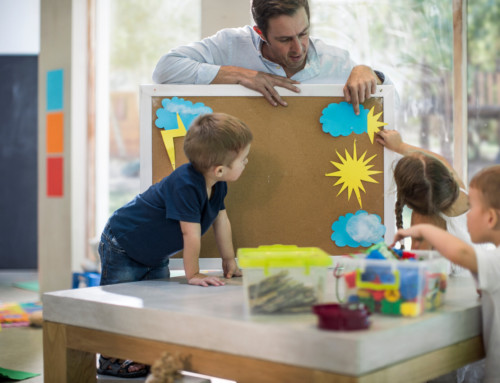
(230, 268)
(205, 280)
(413, 232)
(391, 139)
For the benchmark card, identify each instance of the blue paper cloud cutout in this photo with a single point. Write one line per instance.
(360, 229)
(167, 116)
(340, 120)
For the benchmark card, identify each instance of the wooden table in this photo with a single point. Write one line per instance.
(142, 320)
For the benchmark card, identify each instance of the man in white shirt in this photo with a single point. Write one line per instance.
(276, 52)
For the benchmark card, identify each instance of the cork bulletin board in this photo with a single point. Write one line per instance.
(315, 177)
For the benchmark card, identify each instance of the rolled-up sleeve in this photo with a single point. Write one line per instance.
(196, 63)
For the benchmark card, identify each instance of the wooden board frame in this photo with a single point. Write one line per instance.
(252, 108)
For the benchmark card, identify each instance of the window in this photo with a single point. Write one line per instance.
(132, 36)
(483, 84)
(411, 41)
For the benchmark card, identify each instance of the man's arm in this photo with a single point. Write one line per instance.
(456, 250)
(191, 233)
(187, 66)
(224, 240)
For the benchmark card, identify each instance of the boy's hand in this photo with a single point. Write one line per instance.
(413, 232)
(205, 280)
(230, 268)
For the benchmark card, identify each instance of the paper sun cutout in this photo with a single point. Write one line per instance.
(373, 124)
(352, 171)
(340, 120)
(175, 118)
(360, 229)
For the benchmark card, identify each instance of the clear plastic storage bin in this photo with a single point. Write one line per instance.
(282, 279)
(396, 287)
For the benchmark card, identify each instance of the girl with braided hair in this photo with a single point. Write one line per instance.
(428, 185)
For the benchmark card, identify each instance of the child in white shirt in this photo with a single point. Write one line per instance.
(483, 224)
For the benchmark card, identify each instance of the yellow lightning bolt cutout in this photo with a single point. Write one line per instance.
(352, 172)
(373, 124)
(168, 139)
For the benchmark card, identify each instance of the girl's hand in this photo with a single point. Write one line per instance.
(391, 139)
(205, 280)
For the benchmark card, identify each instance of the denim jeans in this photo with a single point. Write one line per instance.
(118, 267)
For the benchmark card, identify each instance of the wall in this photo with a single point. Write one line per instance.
(61, 228)
(19, 20)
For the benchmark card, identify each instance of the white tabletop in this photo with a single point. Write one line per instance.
(214, 318)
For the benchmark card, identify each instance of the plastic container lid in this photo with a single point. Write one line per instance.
(282, 256)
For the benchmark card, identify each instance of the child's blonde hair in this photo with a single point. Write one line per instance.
(215, 139)
(424, 184)
(487, 181)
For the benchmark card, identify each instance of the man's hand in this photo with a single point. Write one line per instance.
(205, 280)
(264, 83)
(360, 85)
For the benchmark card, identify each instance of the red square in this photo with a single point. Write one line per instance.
(55, 168)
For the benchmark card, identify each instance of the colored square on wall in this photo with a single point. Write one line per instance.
(55, 167)
(55, 132)
(55, 89)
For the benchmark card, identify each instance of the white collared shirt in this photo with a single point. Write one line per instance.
(199, 62)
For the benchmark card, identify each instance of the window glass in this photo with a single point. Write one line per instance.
(483, 84)
(141, 31)
(411, 42)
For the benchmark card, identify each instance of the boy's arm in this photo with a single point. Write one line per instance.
(456, 250)
(191, 234)
(224, 240)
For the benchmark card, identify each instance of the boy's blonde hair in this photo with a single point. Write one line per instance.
(487, 181)
(215, 139)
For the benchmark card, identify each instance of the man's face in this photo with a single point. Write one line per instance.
(288, 41)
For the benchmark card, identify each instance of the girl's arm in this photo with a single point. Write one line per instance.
(392, 140)
(191, 234)
(449, 246)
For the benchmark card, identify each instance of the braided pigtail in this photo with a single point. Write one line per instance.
(399, 212)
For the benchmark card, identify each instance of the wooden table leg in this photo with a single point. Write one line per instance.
(64, 365)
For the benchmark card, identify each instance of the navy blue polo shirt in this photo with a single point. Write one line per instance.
(148, 227)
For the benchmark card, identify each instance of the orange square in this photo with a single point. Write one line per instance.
(55, 132)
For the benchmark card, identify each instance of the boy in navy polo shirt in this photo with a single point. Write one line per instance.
(174, 213)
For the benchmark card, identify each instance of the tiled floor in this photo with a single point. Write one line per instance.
(21, 348)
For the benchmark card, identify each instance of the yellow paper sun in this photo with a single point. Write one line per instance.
(373, 124)
(352, 171)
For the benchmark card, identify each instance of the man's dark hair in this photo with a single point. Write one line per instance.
(264, 10)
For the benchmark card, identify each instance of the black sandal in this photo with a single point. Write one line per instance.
(119, 368)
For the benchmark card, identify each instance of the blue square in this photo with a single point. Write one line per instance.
(55, 89)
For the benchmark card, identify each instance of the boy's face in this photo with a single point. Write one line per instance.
(233, 172)
(477, 218)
